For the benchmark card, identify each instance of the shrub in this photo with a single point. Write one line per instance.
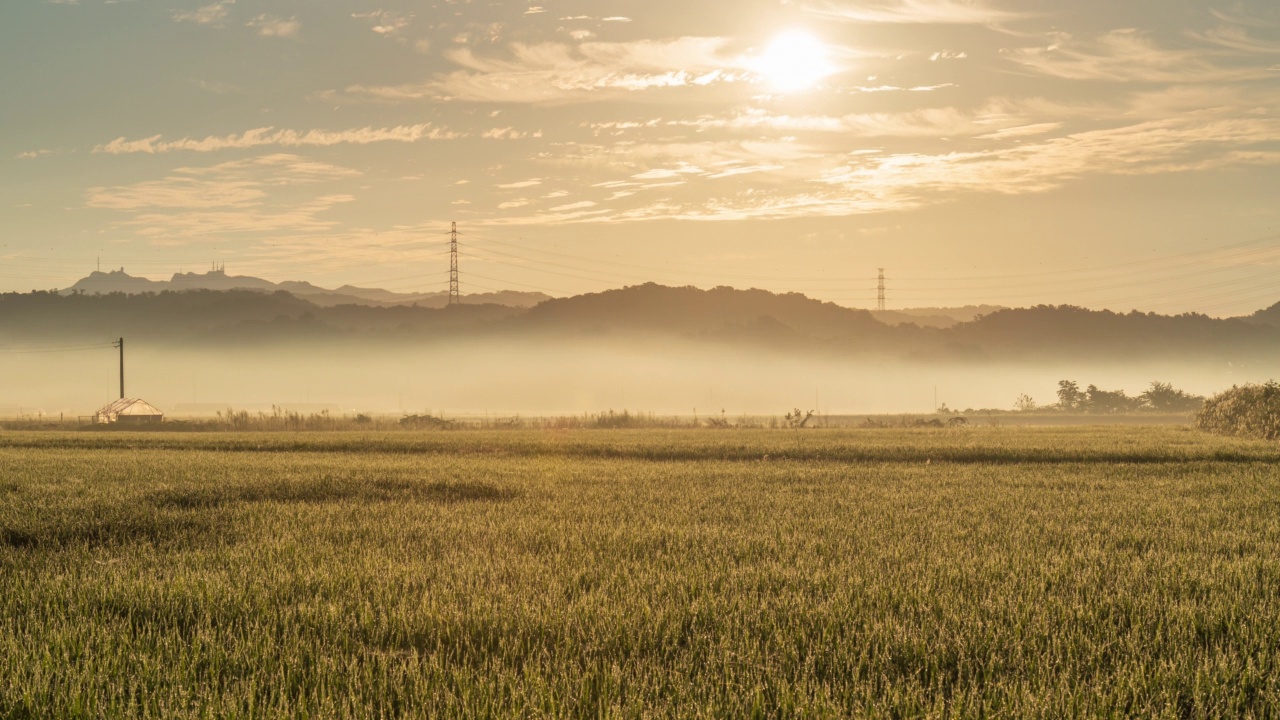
(1248, 411)
(797, 419)
(425, 421)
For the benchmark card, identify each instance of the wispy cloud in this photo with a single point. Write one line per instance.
(552, 72)
(212, 14)
(276, 27)
(1004, 116)
(813, 183)
(233, 197)
(937, 12)
(267, 136)
(1238, 39)
(1237, 17)
(387, 23)
(1133, 56)
(534, 182)
(509, 133)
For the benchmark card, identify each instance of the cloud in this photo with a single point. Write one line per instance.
(556, 72)
(236, 184)
(268, 136)
(1132, 56)
(522, 184)
(1237, 39)
(1023, 131)
(242, 196)
(387, 23)
(32, 154)
(574, 206)
(270, 26)
(932, 12)
(667, 173)
(1235, 17)
(212, 14)
(998, 116)
(1153, 147)
(792, 180)
(508, 133)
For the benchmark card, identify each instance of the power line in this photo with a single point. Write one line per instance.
(57, 349)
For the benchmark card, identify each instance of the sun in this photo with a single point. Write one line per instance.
(795, 61)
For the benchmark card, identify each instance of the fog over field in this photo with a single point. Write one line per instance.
(544, 377)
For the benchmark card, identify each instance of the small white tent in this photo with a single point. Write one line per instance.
(130, 411)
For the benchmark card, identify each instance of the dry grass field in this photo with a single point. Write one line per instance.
(970, 572)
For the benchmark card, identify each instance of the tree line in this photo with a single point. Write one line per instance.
(1159, 397)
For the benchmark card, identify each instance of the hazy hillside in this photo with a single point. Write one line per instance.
(1267, 316)
(199, 316)
(790, 323)
(1066, 331)
(645, 346)
(118, 281)
(721, 312)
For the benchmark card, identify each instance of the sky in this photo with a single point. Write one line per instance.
(1104, 154)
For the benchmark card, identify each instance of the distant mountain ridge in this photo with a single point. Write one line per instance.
(206, 306)
(646, 315)
(103, 283)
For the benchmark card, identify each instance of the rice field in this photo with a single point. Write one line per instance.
(970, 572)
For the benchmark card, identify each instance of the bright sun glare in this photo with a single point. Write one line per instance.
(795, 61)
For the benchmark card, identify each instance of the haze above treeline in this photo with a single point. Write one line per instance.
(646, 347)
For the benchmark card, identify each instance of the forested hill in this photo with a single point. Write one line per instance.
(690, 311)
(1072, 331)
(755, 319)
(1267, 316)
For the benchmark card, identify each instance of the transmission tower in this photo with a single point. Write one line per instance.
(453, 266)
(880, 292)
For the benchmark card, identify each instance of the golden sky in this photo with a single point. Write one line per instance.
(1106, 154)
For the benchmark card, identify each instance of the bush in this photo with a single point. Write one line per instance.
(1246, 411)
(425, 421)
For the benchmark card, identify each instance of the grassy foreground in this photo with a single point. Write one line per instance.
(999, 572)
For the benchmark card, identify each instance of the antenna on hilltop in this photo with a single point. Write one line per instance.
(880, 292)
(453, 266)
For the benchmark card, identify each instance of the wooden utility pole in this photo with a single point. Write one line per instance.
(120, 344)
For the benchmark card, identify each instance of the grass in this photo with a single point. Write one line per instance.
(1002, 572)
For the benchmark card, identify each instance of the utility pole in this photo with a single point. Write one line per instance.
(120, 344)
(453, 266)
(880, 292)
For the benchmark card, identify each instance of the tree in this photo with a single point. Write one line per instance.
(1069, 395)
(1163, 397)
(1108, 401)
(1025, 403)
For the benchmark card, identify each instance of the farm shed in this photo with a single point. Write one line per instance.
(129, 411)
